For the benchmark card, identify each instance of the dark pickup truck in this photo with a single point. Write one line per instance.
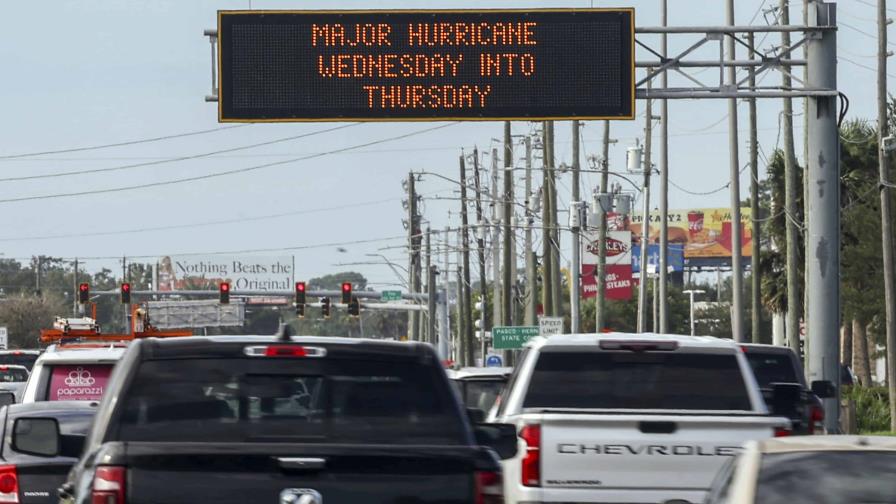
(239, 419)
(777, 367)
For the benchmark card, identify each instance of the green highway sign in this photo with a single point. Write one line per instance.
(511, 338)
(391, 295)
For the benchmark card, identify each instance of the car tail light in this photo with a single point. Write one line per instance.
(782, 432)
(489, 488)
(816, 420)
(531, 468)
(284, 351)
(108, 485)
(9, 484)
(638, 345)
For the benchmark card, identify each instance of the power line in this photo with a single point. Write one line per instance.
(122, 144)
(866, 67)
(224, 173)
(176, 159)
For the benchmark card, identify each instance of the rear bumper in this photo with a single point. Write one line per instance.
(601, 495)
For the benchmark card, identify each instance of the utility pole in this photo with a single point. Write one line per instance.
(497, 312)
(531, 281)
(37, 273)
(645, 217)
(430, 291)
(755, 285)
(547, 290)
(124, 278)
(662, 269)
(599, 301)
(823, 232)
(469, 357)
(414, 256)
(444, 317)
(75, 291)
(553, 228)
(737, 272)
(574, 296)
(509, 255)
(886, 216)
(460, 341)
(791, 185)
(480, 242)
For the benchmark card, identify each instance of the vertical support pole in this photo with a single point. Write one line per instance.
(75, 311)
(662, 269)
(508, 252)
(553, 228)
(497, 312)
(755, 285)
(469, 350)
(444, 318)
(413, 256)
(547, 301)
(737, 271)
(460, 340)
(600, 302)
(645, 217)
(574, 294)
(823, 233)
(531, 280)
(480, 244)
(430, 291)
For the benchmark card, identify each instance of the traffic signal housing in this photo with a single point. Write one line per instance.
(300, 293)
(346, 292)
(84, 293)
(325, 307)
(224, 293)
(126, 293)
(354, 307)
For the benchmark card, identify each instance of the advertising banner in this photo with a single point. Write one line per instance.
(675, 257)
(79, 383)
(619, 249)
(702, 232)
(618, 284)
(259, 273)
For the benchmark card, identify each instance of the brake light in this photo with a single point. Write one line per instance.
(531, 465)
(816, 420)
(488, 488)
(9, 484)
(108, 485)
(782, 432)
(637, 345)
(284, 351)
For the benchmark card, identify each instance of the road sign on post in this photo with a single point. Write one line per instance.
(493, 361)
(406, 65)
(390, 295)
(512, 338)
(550, 325)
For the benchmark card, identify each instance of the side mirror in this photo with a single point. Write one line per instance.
(785, 398)
(477, 416)
(824, 389)
(7, 398)
(36, 436)
(499, 437)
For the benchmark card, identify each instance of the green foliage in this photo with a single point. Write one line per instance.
(872, 408)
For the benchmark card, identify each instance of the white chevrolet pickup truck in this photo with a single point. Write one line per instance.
(638, 418)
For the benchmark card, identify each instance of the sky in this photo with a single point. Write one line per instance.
(98, 72)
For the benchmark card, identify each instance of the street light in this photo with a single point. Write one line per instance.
(692, 292)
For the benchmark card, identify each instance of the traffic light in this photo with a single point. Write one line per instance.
(479, 323)
(325, 307)
(346, 292)
(224, 293)
(300, 310)
(84, 293)
(354, 307)
(126, 293)
(300, 299)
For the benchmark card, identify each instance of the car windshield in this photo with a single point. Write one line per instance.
(827, 476)
(275, 399)
(644, 380)
(772, 368)
(78, 382)
(481, 394)
(18, 359)
(8, 374)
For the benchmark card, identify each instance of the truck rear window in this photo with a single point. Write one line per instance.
(772, 368)
(81, 382)
(642, 380)
(19, 359)
(8, 374)
(312, 400)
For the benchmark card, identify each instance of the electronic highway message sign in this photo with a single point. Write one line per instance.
(425, 65)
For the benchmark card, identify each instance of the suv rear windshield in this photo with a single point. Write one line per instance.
(772, 368)
(307, 400)
(19, 359)
(8, 374)
(846, 476)
(643, 380)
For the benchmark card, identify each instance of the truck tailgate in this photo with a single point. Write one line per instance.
(267, 473)
(621, 451)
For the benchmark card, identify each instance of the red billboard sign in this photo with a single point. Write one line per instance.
(618, 281)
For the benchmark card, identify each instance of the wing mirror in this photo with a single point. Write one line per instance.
(41, 437)
(824, 389)
(7, 398)
(501, 438)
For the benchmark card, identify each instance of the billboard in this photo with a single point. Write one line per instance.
(205, 272)
(405, 65)
(675, 257)
(618, 273)
(703, 233)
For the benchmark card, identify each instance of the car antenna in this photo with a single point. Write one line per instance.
(286, 332)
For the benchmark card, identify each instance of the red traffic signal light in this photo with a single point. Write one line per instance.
(84, 293)
(126, 293)
(224, 293)
(300, 293)
(346, 292)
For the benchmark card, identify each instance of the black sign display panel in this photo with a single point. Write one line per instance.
(425, 65)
